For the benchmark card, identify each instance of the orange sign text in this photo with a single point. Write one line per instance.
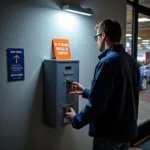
(61, 49)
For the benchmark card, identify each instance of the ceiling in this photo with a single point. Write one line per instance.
(145, 3)
(143, 27)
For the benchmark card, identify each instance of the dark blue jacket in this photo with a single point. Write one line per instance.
(112, 108)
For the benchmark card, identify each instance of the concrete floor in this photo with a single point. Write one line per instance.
(144, 105)
(145, 95)
(144, 111)
(134, 148)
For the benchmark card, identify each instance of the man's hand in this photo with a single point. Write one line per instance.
(70, 114)
(77, 88)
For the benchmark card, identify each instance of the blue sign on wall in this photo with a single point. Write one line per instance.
(15, 59)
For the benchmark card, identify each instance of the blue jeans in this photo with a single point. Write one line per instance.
(101, 144)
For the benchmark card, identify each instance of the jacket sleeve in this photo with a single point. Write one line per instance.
(86, 93)
(98, 98)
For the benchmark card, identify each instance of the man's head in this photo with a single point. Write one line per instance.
(108, 33)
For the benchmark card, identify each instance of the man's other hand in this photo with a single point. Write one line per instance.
(70, 113)
(77, 88)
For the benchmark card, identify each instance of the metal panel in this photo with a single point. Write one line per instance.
(58, 78)
(49, 93)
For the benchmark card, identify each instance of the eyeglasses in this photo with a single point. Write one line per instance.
(96, 36)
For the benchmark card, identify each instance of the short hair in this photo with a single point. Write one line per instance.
(111, 28)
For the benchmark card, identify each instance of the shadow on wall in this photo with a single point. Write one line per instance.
(35, 133)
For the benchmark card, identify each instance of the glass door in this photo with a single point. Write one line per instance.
(143, 58)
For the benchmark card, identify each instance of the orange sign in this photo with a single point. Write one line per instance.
(61, 49)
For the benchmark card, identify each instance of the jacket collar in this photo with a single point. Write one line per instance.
(117, 47)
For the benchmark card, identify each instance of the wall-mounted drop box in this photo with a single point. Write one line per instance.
(58, 77)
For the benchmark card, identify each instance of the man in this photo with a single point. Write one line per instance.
(112, 108)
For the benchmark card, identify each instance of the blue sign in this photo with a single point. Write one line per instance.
(15, 60)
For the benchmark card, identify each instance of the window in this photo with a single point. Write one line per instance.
(141, 51)
(143, 57)
(144, 39)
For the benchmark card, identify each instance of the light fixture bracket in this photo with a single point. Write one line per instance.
(77, 9)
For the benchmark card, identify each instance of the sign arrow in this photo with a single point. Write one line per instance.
(16, 57)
